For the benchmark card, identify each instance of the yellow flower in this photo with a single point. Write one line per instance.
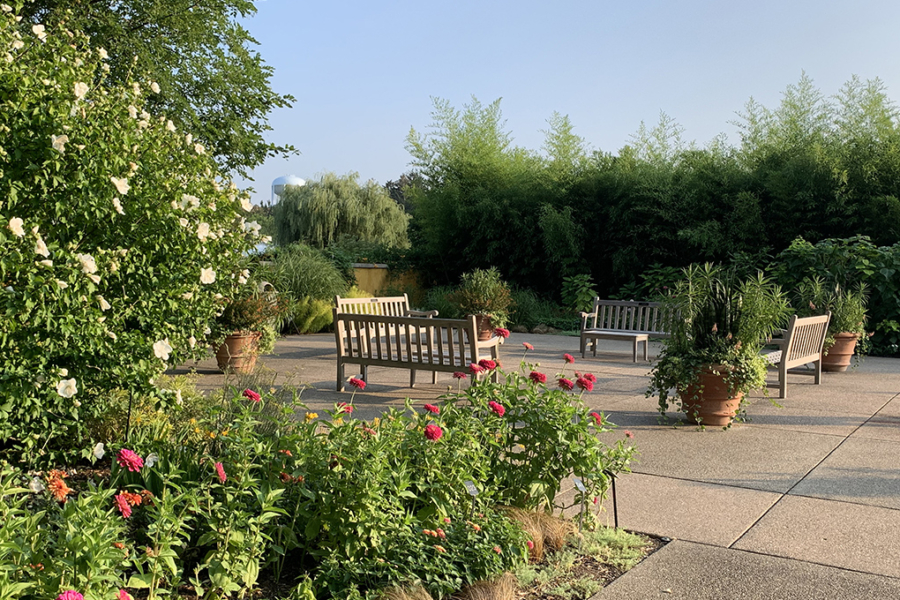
(376, 422)
(212, 435)
(339, 421)
(224, 432)
(193, 421)
(196, 430)
(311, 415)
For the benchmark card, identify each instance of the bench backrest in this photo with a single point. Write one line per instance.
(391, 306)
(629, 315)
(450, 344)
(804, 339)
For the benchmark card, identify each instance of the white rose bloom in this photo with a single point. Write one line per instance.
(39, 31)
(5, 7)
(41, 248)
(183, 222)
(99, 451)
(121, 184)
(101, 320)
(112, 335)
(18, 45)
(62, 284)
(117, 204)
(80, 90)
(154, 87)
(15, 225)
(95, 279)
(136, 88)
(104, 305)
(188, 139)
(242, 280)
(161, 349)
(252, 227)
(199, 149)
(192, 341)
(143, 124)
(132, 112)
(203, 231)
(59, 142)
(103, 54)
(187, 295)
(189, 202)
(246, 204)
(36, 485)
(64, 372)
(170, 125)
(67, 388)
(88, 265)
(207, 276)
(266, 239)
(207, 331)
(46, 263)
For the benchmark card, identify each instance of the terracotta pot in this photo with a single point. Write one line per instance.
(838, 356)
(239, 351)
(714, 405)
(485, 329)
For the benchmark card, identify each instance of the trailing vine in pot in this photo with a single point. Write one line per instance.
(483, 293)
(847, 329)
(247, 328)
(711, 360)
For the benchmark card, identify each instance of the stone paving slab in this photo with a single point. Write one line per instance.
(688, 571)
(809, 420)
(884, 425)
(841, 534)
(860, 470)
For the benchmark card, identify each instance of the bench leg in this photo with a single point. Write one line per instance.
(594, 346)
(412, 378)
(782, 381)
(634, 350)
(434, 378)
(818, 367)
(646, 346)
(340, 376)
(583, 345)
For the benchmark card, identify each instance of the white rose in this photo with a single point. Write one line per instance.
(136, 88)
(39, 31)
(46, 263)
(121, 184)
(161, 349)
(170, 125)
(154, 87)
(80, 90)
(103, 54)
(59, 142)
(112, 335)
(62, 284)
(95, 279)
(246, 204)
(15, 225)
(67, 388)
(192, 341)
(18, 45)
(203, 231)
(199, 149)
(187, 295)
(41, 248)
(104, 305)
(207, 276)
(88, 265)
(99, 451)
(132, 112)
(5, 7)
(117, 204)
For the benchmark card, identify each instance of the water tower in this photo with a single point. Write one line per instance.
(282, 182)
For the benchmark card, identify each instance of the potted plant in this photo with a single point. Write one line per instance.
(245, 329)
(847, 328)
(484, 294)
(712, 357)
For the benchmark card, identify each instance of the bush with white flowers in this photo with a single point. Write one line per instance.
(119, 239)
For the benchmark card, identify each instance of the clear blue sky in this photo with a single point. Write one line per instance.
(364, 72)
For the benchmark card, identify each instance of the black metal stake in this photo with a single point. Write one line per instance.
(615, 505)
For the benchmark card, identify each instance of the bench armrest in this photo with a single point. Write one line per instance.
(585, 316)
(494, 341)
(422, 313)
(778, 338)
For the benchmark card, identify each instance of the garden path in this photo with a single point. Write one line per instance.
(800, 502)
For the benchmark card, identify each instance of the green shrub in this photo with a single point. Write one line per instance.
(302, 271)
(483, 292)
(530, 310)
(439, 299)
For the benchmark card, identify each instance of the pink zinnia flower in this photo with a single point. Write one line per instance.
(530, 544)
(475, 369)
(565, 384)
(123, 506)
(568, 358)
(459, 375)
(358, 383)
(528, 346)
(123, 595)
(220, 471)
(433, 409)
(343, 407)
(70, 595)
(498, 408)
(628, 434)
(129, 460)
(487, 364)
(537, 377)
(433, 432)
(501, 332)
(590, 377)
(597, 418)
(251, 395)
(498, 550)
(585, 384)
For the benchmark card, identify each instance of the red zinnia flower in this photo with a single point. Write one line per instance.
(123, 595)
(122, 505)
(497, 408)
(569, 358)
(459, 375)
(565, 384)
(501, 332)
(433, 432)
(358, 383)
(433, 409)
(70, 595)
(129, 460)
(585, 384)
(597, 418)
(343, 407)
(628, 434)
(498, 550)
(475, 369)
(528, 346)
(590, 377)
(537, 377)
(487, 364)
(220, 471)
(251, 395)
(530, 544)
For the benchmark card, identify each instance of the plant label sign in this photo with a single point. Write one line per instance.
(470, 487)
(579, 484)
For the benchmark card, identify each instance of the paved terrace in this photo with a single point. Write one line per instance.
(801, 502)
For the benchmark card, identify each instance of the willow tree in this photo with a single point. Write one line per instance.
(322, 211)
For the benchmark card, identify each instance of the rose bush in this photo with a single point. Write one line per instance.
(118, 236)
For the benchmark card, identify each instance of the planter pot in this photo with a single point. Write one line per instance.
(838, 356)
(238, 353)
(714, 405)
(485, 329)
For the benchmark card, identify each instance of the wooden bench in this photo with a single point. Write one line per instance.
(623, 320)
(390, 306)
(800, 344)
(414, 343)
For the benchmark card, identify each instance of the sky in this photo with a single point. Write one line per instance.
(363, 73)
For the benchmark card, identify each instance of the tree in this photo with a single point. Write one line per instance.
(212, 83)
(320, 212)
(119, 240)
